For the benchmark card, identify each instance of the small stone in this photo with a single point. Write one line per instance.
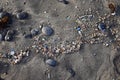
(1, 37)
(43, 39)
(3, 14)
(48, 76)
(113, 14)
(28, 36)
(27, 54)
(71, 71)
(94, 54)
(5, 18)
(40, 26)
(79, 21)
(9, 36)
(76, 6)
(11, 32)
(1, 78)
(102, 26)
(90, 17)
(1, 9)
(106, 44)
(82, 59)
(51, 62)
(68, 17)
(37, 51)
(112, 7)
(45, 12)
(64, 1)
(4, 55)
(22, 15)
(12, 52)
(57, 51)
(47, 30)
(35, 32)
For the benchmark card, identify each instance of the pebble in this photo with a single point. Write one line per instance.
(86, 17)
(5, 18)
(64, 1)
(4, 55)
(28, 36)
(47, 30)
(1, 9)
(1, 37)
(35, 32)
(112, 7)
(9, 35)
(106, 44)
(94, 54)
(68, 17)
(1, 78)
(79, 21)
(12, 52)
(11, 32)
(22, 15)
(48, 76)
(71, 71)
(51, 62)
(3, 14)
(102, 27)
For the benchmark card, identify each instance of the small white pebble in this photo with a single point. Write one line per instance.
(113, 14)
(45, 11)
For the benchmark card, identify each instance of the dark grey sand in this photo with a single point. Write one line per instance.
(92, 62)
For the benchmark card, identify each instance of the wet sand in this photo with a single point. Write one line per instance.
(93, 55)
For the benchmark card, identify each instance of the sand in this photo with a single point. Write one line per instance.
(93, 61)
